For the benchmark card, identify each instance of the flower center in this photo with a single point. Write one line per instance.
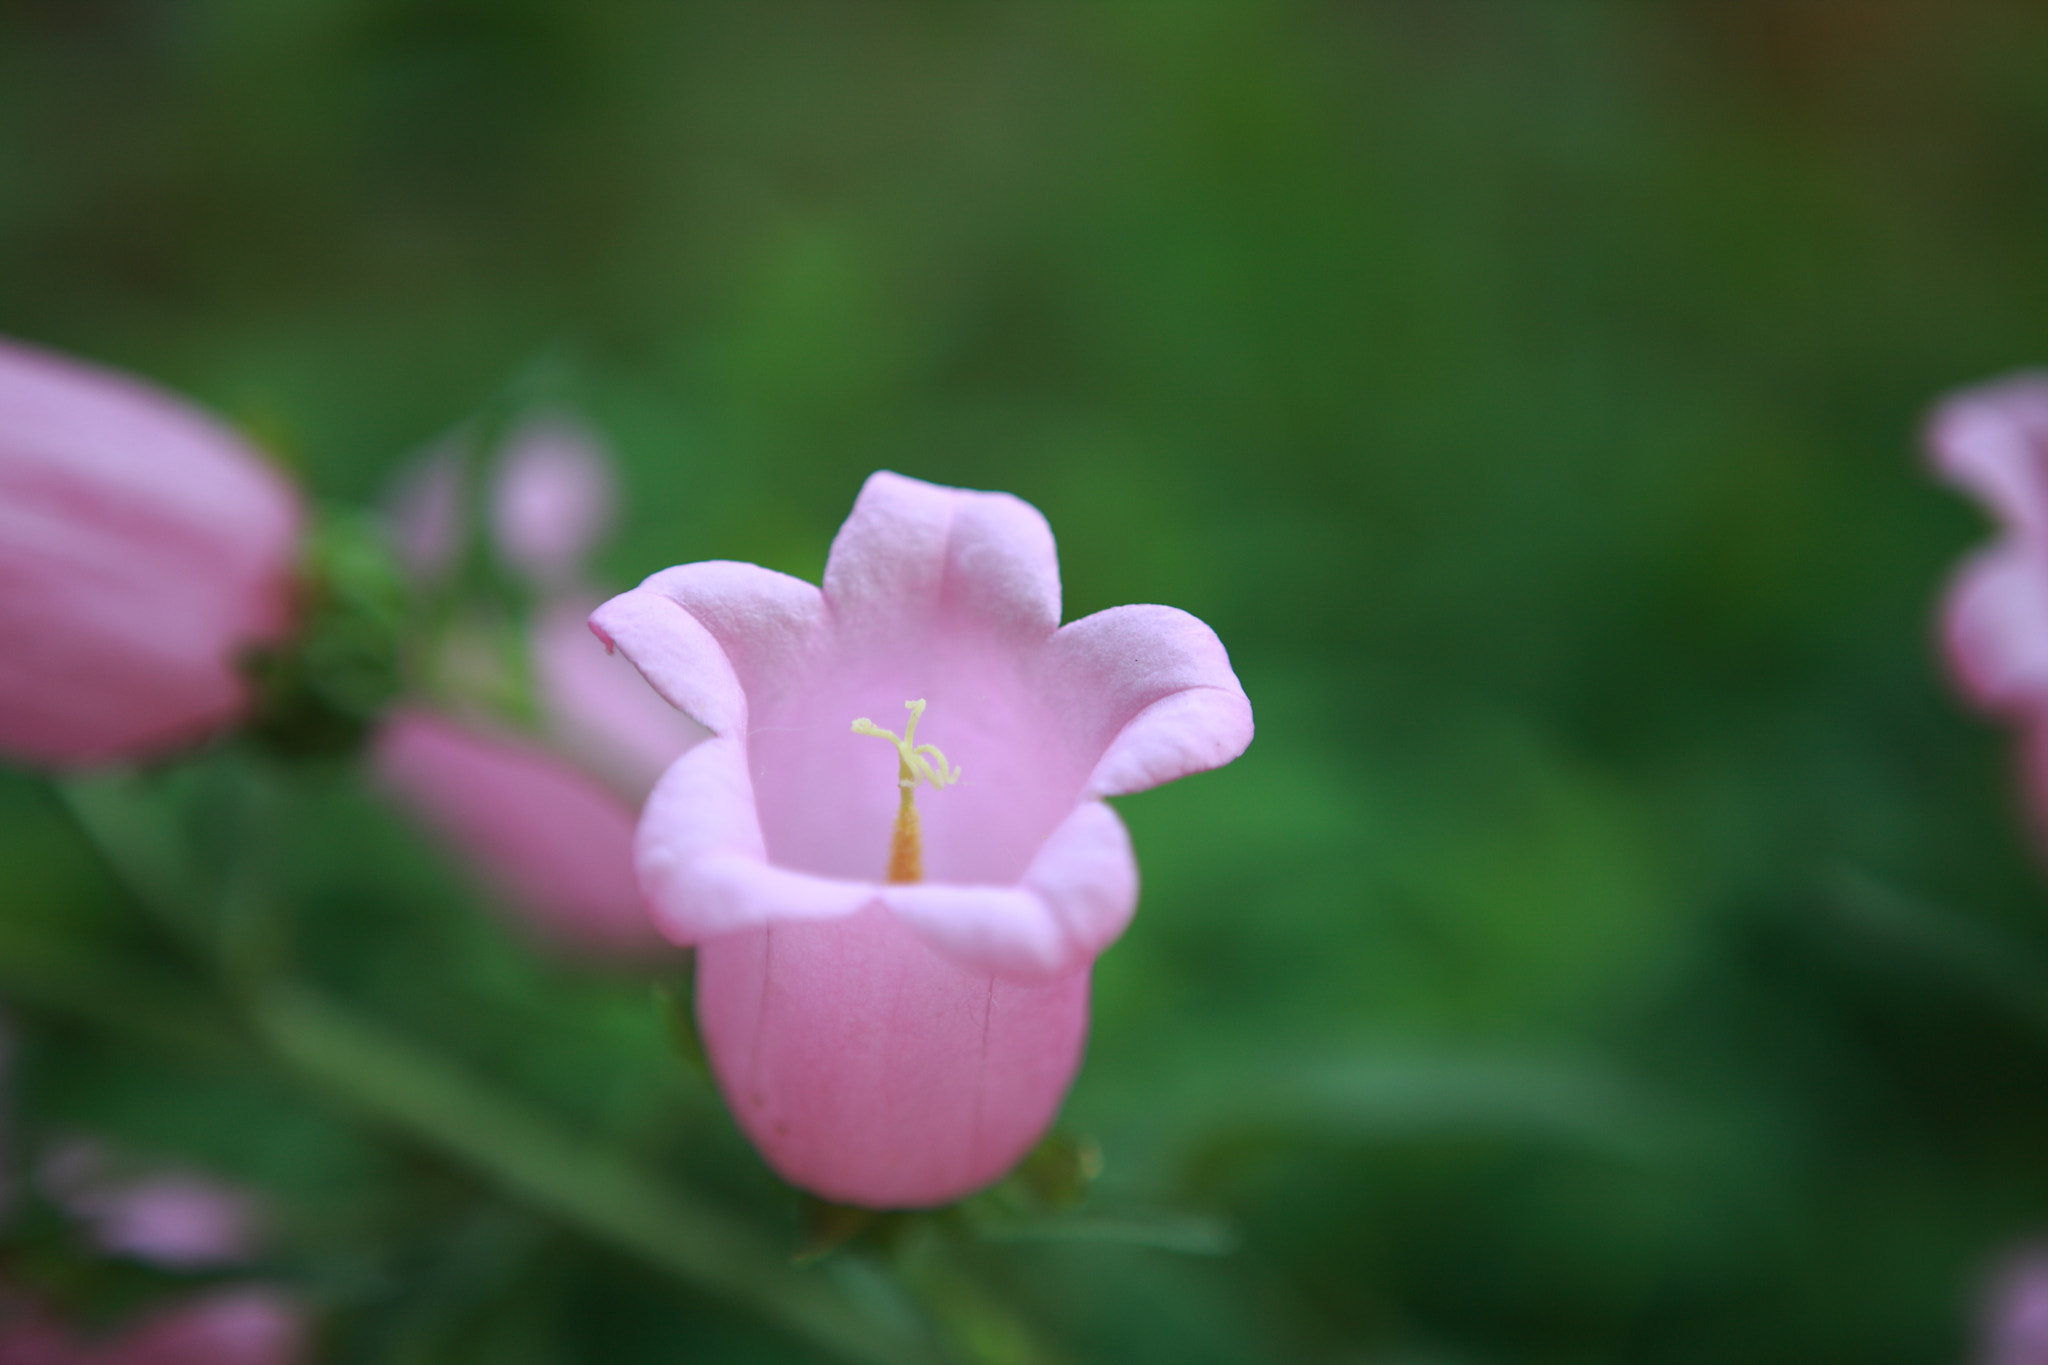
(914, 762)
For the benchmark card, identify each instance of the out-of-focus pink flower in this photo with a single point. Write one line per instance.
(2014, 1317)
(178, 1219)
(225, 1327)
(142, 547)
(552, 501)
(1992, 441)
(232, 1327)
(546, 819)
(887, 1039)
(554, 842)
(550, 495)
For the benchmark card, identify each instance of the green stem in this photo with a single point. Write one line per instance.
(414, 1092)
(393, 1082)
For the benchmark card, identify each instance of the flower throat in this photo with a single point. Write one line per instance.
(914, 762)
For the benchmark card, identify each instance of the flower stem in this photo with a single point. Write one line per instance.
(402, 1086)
(394, 1083)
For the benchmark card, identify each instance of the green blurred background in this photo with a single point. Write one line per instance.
(1617, 946)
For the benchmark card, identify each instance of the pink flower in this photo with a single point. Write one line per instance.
(1992, 441)
(553, 498)
(2014, 1317)
(175, 1219)
(553, 841)
(550, 501)
(142, 547)
(224, 1327)
(901, 1042)
(178, 1219)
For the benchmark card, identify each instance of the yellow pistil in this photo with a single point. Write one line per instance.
(914, 762)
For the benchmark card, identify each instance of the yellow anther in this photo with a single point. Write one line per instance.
(914, 762)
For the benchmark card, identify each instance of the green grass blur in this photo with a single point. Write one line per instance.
(1618, 945)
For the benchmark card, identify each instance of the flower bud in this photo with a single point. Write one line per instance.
(552, 501)
(143, 548)
(554, 842)
(545, 817)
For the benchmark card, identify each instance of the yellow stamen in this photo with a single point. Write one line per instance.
(914, 762)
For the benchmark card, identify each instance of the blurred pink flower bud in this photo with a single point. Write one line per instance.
(225, 1327)
(231, 1327)
(886, 1039)
(547, 820)
(142, 547)
(552, 501)
(2014, 1320)
(175, 1219)
(1992, 441)
(181, 1220)
(552, 840)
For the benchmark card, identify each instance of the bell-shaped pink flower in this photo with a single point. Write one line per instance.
(142, 547)
(894, 992)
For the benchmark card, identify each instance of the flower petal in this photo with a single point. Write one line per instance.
(1154, 690)
(235, 1326)
(1074, 900)
(173, 1218)
(715, 636)
(702, 862)
(996, 928)
(1993, 441)
(914, 559)
(553, 497)
(600, 708)
(872, 1070)
(142, 546)
(1996, 626)
(556, 844)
